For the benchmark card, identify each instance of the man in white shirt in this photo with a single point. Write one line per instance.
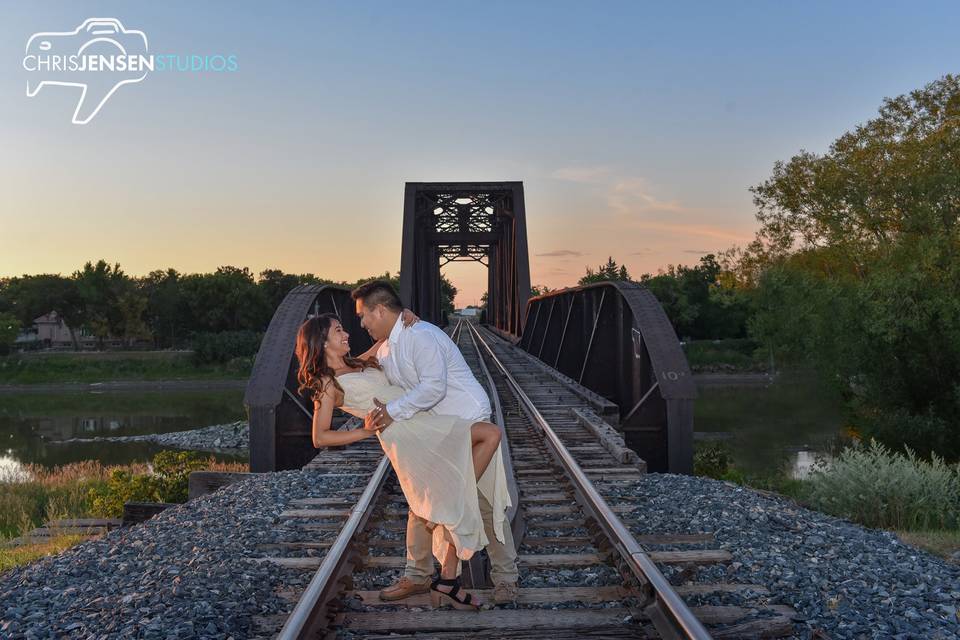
(428, 365)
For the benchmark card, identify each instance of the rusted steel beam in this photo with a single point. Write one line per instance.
(616, 340)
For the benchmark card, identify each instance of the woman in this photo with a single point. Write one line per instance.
(437, 458)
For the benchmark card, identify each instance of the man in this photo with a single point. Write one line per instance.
(428, 365)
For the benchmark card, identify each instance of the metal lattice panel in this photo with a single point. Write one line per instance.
(458, 221)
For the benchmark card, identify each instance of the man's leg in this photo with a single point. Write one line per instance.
(503, 555)
(419, 569)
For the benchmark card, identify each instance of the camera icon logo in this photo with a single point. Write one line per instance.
(99, 56)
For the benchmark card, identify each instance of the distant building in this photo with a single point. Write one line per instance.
(470, 312)
(53, 332)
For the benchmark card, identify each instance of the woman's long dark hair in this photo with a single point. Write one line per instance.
(314, 373)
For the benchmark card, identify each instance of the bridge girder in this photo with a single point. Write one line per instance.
(615, 339)
(452, 221)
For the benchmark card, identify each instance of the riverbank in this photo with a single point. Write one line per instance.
(115, 366)
(219, 438)
(124, 385)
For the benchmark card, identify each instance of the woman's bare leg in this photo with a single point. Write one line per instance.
(448, 568)
(485, 438)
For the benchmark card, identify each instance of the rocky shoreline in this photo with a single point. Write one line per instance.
(232, 437)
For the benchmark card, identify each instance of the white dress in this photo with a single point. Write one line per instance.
(432, 457)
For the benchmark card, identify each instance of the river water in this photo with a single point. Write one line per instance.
(783, 426)
(30, 423)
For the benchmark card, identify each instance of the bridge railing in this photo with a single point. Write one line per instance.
(615, 339)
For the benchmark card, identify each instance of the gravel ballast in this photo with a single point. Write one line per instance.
(844, 580)
(185, 573)
(188, 572)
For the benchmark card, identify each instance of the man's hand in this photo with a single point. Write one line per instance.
(379, 416)
(409, 318)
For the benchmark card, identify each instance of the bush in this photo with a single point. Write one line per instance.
(711, 460)
(167, 483)
(743, 354)
(218, 348)
(880, 488)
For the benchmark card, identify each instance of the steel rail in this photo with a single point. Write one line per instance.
(668, 612)
(514, 515)
(307, 617)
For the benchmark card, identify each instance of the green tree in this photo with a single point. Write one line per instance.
(166, 311)
(861, 267)
(448, 293)
(31, 296)
(700, 303)
(9, 329)
(609, 271)
(131, 307)
(226, 300)
(276, 284)
(101, 287)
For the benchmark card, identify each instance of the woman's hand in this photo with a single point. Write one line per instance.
(378, 419)
(409, 318)
(370, 423)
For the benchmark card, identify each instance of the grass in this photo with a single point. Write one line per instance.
(11, 557)
(943, 543)
(37, 368)
(42, 494)
(39, 494)
(36, 495)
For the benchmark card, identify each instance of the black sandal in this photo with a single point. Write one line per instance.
(437, 597)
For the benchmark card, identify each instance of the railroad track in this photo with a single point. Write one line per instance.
(582, 572)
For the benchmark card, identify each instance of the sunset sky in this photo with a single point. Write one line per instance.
(635, 127)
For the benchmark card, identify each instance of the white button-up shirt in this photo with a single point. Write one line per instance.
(425, 361)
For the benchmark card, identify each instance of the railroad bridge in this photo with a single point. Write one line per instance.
(611, 341)
(591, 390)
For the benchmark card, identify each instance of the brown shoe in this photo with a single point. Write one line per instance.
(403, 588)
(505, 593)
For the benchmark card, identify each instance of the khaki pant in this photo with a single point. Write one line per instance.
(503, 556)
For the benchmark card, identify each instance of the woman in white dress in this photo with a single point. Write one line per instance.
(437, 458)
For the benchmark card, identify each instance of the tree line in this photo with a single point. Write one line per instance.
(166, 307)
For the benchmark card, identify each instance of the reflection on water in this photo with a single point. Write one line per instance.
(803, 462)
(11, 469)
(29, 422)
(786, 425)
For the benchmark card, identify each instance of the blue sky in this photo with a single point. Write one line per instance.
(636, 128)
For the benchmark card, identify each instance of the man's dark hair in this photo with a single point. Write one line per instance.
(378, 292)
